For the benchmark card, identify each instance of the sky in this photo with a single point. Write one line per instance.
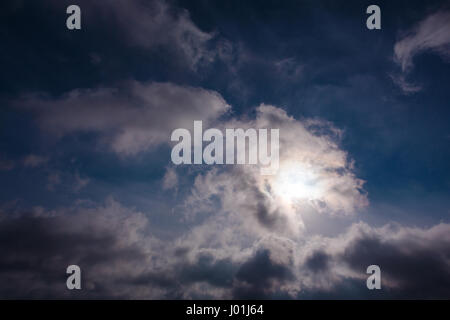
(86, 175)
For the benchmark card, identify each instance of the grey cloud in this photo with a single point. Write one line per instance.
(33, 160)
(414, 263)
(152, 25)
(260, 277)
(120, 259)
(37, 248)
(156, 23)
(407, 87)
(6, 164)
(218, 273)
(317, 262)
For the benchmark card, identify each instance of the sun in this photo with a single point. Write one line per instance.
(297, 182)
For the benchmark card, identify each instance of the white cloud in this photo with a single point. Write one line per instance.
(131, 118)
(432, 33)
(238, 207)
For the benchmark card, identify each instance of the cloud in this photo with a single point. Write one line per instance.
(260, 276)
(131, 118)
(106, 241)
(429, 34)
(120, 258)
(155, 25)
(414, 262)
(53, 179)
(34, 161)
(6, 164)
(402, 83)
(170, 179)
(289, 68)
(314, 175)
(80, 182)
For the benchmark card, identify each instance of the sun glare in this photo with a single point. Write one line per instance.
(295, 181)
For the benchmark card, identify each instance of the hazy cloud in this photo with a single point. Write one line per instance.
(33, 160)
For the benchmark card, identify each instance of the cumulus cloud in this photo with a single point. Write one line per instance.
(314, 174)
(414, 262)
(120, 258)
(131, 118)
(106, 241)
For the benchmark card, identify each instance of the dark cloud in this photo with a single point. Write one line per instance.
(413, 270)
(118, 260)
(217, 273)
(414, 263)
(36, 251)
(260, 277)
(317, 262)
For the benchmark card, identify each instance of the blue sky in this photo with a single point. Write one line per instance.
(85, 126)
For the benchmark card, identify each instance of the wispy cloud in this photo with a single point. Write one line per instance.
(33, 160)
(402, 83)
(430, 34)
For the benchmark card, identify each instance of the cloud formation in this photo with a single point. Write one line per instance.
(131, 118)
(432, 33)
(120, 258)
(314, 175)
(154, 25)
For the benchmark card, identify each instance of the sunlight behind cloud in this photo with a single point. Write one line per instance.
(297, 182)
